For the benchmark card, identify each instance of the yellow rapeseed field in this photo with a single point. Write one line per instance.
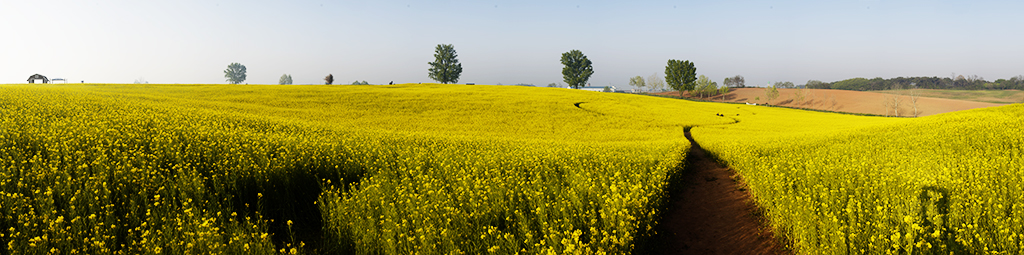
(837, 184)
(431, 169)
(456, 169)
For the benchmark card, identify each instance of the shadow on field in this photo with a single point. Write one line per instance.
(290, 194)
(709, 211)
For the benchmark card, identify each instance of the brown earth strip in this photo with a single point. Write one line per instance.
(712, 213)
(866, 102)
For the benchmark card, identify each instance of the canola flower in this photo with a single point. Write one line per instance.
(837, 184)
(184, 169)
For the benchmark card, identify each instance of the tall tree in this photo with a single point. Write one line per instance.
(914, 94)
(655, 82)
(329, 79)
(285, 79)
(735, 82)
(705, 87)
(680, 75)
(637, 82)
(446, 67)
(235, 73)
(577, 68)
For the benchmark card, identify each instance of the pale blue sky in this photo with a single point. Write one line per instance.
(506, 42)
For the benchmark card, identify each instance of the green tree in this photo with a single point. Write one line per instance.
(285, 79)
(816, 84)
(552, 85)
(705, 87)
(771, 93)
(577, 68)
(637, 82)
(680, 75)
(734, 82)
(723, 90)
(446, 67)
(235, 73)
(329, 79)
(607, 89)
(357, 82)
(785, 85)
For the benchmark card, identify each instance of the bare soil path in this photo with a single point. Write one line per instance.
(711, 213)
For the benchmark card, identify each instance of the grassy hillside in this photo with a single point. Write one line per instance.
(371, 169)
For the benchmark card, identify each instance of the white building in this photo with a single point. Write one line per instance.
(598, 89)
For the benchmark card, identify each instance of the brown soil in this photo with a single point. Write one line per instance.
(845, 101)
(712, 213)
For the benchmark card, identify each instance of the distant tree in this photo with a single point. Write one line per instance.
(637, 82)
(680, 75)
(329, 79)
(784, 85)
(914, 94)
(577, 68)
(799, 96)
(771, 93)
(816, 84)
(655, 82)
(734, 82)
(235, 73)
(141, 80)
(860, 84)
(552, 85)
(894, 100)
(607, 89)
(357, 82)
(446, 67)
(723, 90)
(705, 87)
(285, 79)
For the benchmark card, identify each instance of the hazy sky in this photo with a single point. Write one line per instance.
(506, 42)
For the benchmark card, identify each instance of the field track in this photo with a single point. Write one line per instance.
(711, 213)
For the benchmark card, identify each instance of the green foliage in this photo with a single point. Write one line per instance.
(577, 68)
(784, 85)
(607, 89)
(705, 87)
(734, 82)
(446, 67)
(552, 85)
(860, 84)
(680, 75)
(235, 73)
(816, 84)
(771, 93)
(637, 82)
(286, 79)
(357, 82)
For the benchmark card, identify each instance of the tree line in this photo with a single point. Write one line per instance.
(960, 82)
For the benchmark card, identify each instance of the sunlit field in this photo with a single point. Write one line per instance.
(457, 169)
(868, 185)
(370, 169)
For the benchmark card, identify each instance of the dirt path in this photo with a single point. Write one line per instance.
(709, 213)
